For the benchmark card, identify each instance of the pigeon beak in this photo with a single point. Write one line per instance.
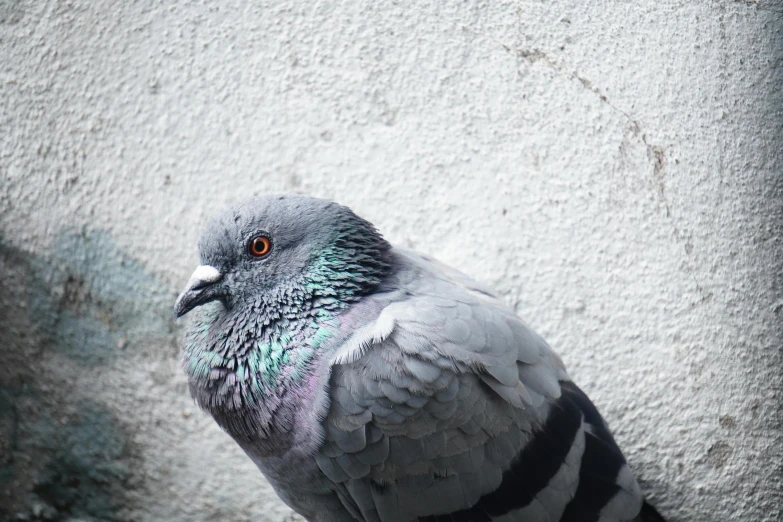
(199, 290)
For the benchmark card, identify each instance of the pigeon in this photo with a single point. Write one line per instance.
(370, 382)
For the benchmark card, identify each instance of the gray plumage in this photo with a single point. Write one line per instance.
(373, 383)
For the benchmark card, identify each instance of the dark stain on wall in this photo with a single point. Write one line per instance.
(81, 461)
(63, 453)
(88, 297)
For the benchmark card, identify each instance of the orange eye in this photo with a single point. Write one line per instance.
(260, 246)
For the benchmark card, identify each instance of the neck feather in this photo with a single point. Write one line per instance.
(255, 354)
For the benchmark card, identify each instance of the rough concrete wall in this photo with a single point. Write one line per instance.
(613, 169)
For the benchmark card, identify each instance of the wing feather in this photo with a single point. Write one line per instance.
(434, 404)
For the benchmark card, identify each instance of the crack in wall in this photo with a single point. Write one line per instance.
(655, 153)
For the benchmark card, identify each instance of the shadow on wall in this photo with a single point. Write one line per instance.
(67, 316)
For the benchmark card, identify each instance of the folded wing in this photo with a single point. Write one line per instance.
(447, 407)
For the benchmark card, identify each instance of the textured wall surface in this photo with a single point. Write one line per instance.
(612, 168)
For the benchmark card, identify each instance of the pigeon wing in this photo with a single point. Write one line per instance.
(447, 407)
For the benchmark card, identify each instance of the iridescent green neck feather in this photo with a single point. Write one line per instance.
(263, 346)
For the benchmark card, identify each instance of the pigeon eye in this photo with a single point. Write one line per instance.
(260, 246)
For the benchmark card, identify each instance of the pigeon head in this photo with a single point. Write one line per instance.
(275, 254)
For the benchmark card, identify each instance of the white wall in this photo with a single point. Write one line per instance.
(612, 168)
